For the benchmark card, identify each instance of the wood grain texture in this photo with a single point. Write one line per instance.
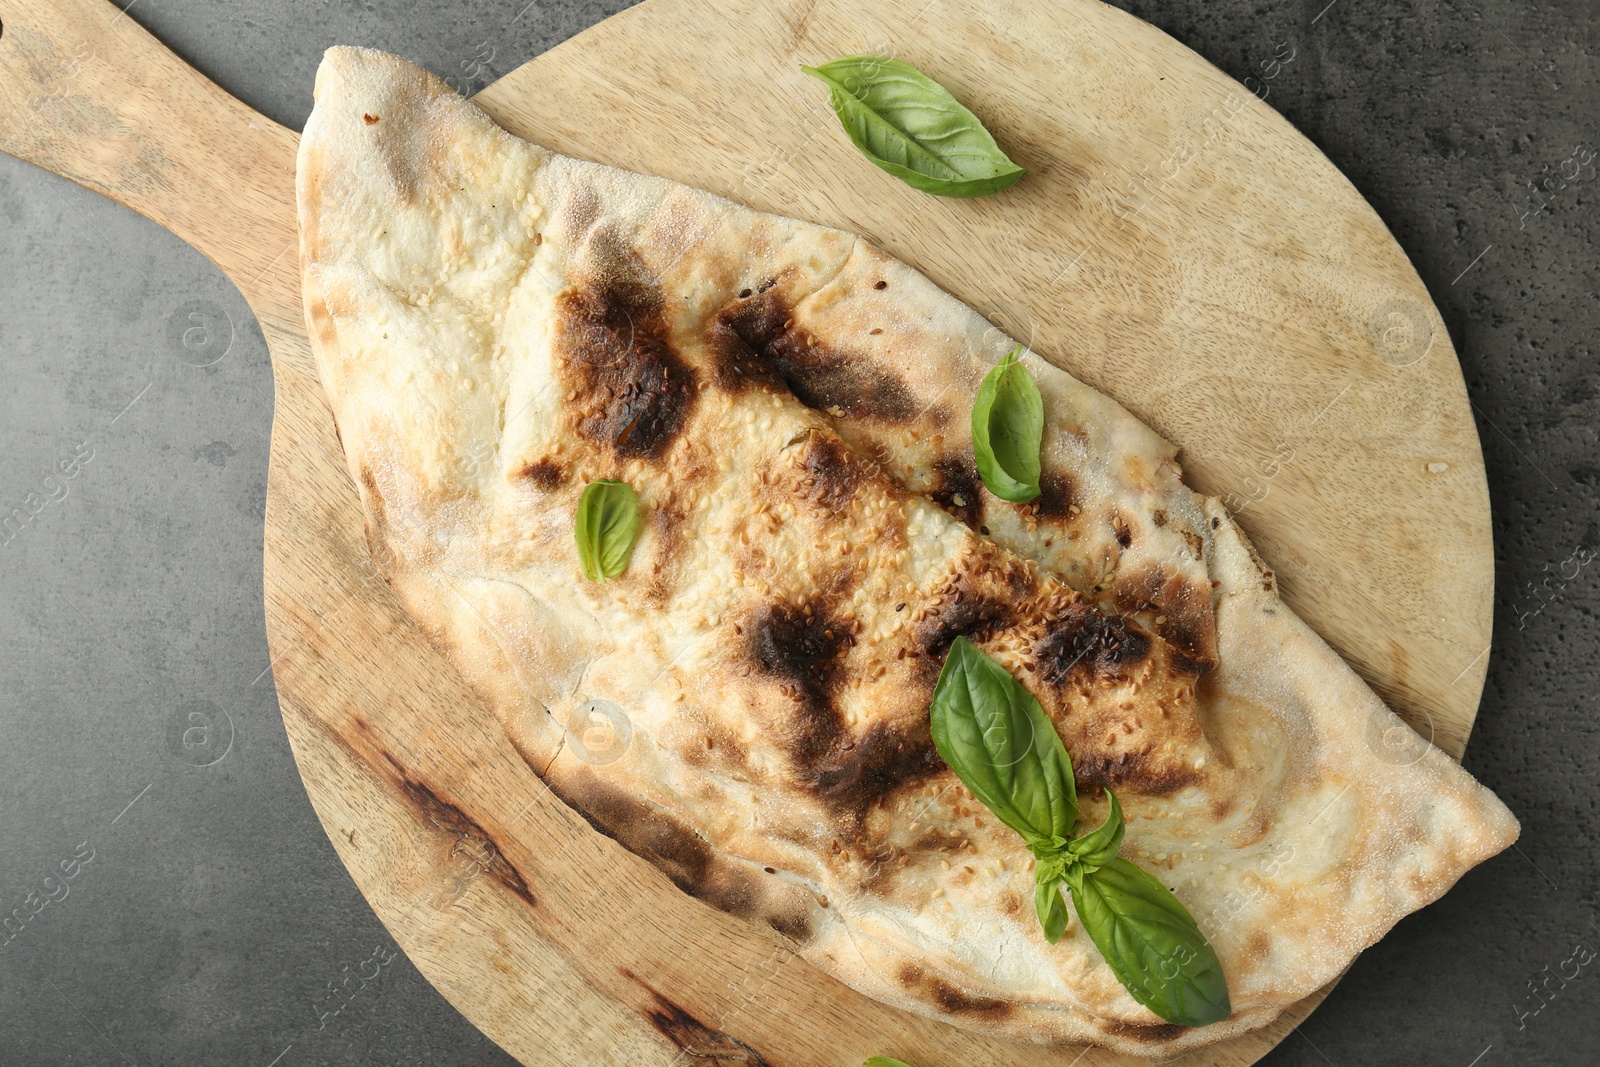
(1176, 243)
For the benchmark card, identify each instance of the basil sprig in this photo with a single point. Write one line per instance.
(992, 732)
(1007, 429)
(909, 125)
(606, 528)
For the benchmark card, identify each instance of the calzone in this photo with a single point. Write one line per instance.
(497, 325)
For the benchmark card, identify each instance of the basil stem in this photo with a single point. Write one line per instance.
(885, 1061)
(909, 125)
(606, 528)
(1008, 429)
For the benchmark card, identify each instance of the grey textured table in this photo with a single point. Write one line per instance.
(206, 917)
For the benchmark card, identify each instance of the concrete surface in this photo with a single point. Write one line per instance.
(206, 916)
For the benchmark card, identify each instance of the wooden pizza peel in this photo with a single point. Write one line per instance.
(1176, 244)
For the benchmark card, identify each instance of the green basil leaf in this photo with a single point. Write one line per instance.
(909, 125)
(1151, 942)
(1052, 909)
(885, 1061)
(1096, 848)
(995, 736)
(1007, 428)
(606, 528)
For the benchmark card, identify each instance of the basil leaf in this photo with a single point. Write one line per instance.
(885, 1061)
(1052, 909)
(909, 125)
(1151, 942)
(993, 734)
(606, 528)
(1096, 848)
(1007, 428)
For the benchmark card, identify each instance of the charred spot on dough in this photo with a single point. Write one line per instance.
(756, 320)
(986, 593)
(1153, 1033)
(1124, 532)
(1191, 626)
(1081, 640)
(955, 488)
(738, 335)
(1058, 493)
(759, 317)
(735, 365)
(683, 855)
(852, 775)
(794, 924)
(1194, 649)
(819, 375)
(831, 473)
(954, 1002)
(838, 382)
(634, 393)
(971, 615)
(694, 1038)
(1140, 771)
(802, 644)
(946, 997)
(545, 474)
(1184, 616)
